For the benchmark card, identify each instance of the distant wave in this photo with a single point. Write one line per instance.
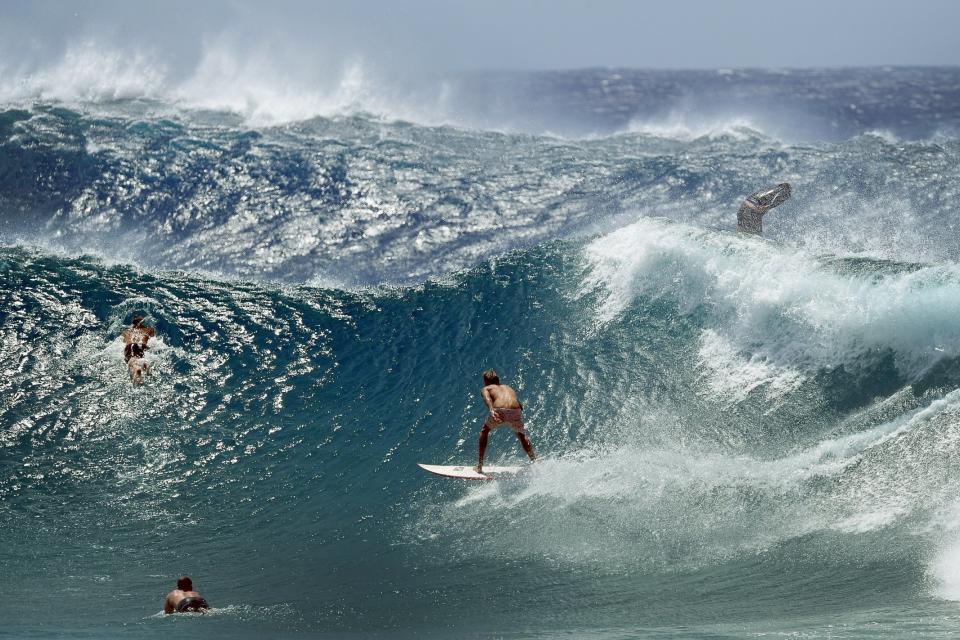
(271, 84)
(250, 85)
(357, 200)
(678, 127)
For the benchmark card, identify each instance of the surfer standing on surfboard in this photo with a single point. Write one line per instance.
(505, 411)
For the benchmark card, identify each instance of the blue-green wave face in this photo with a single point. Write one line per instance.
(736, 435)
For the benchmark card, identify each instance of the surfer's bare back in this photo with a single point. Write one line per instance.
(505, 411)
(750, 215)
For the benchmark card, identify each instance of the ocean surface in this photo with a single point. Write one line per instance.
(739, 437)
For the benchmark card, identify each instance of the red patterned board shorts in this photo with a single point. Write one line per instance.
(512, 418)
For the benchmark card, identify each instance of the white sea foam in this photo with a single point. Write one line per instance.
(687, 127)
(732, 374)
(252, 86)
(632, 503)
(777, 314)
(946, 570)
(258, 83)
(88, 72)
(944, 564)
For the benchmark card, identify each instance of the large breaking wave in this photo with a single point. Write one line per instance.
(731, 429)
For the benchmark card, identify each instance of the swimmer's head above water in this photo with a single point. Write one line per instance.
(184, 599)
(750, 215)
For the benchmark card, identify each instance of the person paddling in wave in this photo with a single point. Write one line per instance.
(136, 333)
(184, 598)
(135, 339)
(137, 365)
(505, 411)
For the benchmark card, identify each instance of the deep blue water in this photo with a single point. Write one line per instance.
(738, 436)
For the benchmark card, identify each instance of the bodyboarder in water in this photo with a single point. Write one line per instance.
(135, 338)
(505, 411)
(137, 365)
(184, 598)
(750, 215)
(136, 333)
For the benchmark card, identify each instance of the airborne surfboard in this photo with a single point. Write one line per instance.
(464, 472)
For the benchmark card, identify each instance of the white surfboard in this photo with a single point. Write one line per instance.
(464, 472)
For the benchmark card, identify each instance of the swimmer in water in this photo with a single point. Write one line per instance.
(136, 333)
(137, 365)
(184, 598)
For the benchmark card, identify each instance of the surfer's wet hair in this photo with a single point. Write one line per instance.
(490, 377)
(185, 583)
(136, 320)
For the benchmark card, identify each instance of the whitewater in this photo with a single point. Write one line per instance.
(738, 436)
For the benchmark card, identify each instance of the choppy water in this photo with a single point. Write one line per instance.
(739, 436)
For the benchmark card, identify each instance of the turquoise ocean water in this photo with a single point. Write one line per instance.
(739, 437)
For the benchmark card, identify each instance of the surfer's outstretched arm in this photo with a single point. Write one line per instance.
(750, 215)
